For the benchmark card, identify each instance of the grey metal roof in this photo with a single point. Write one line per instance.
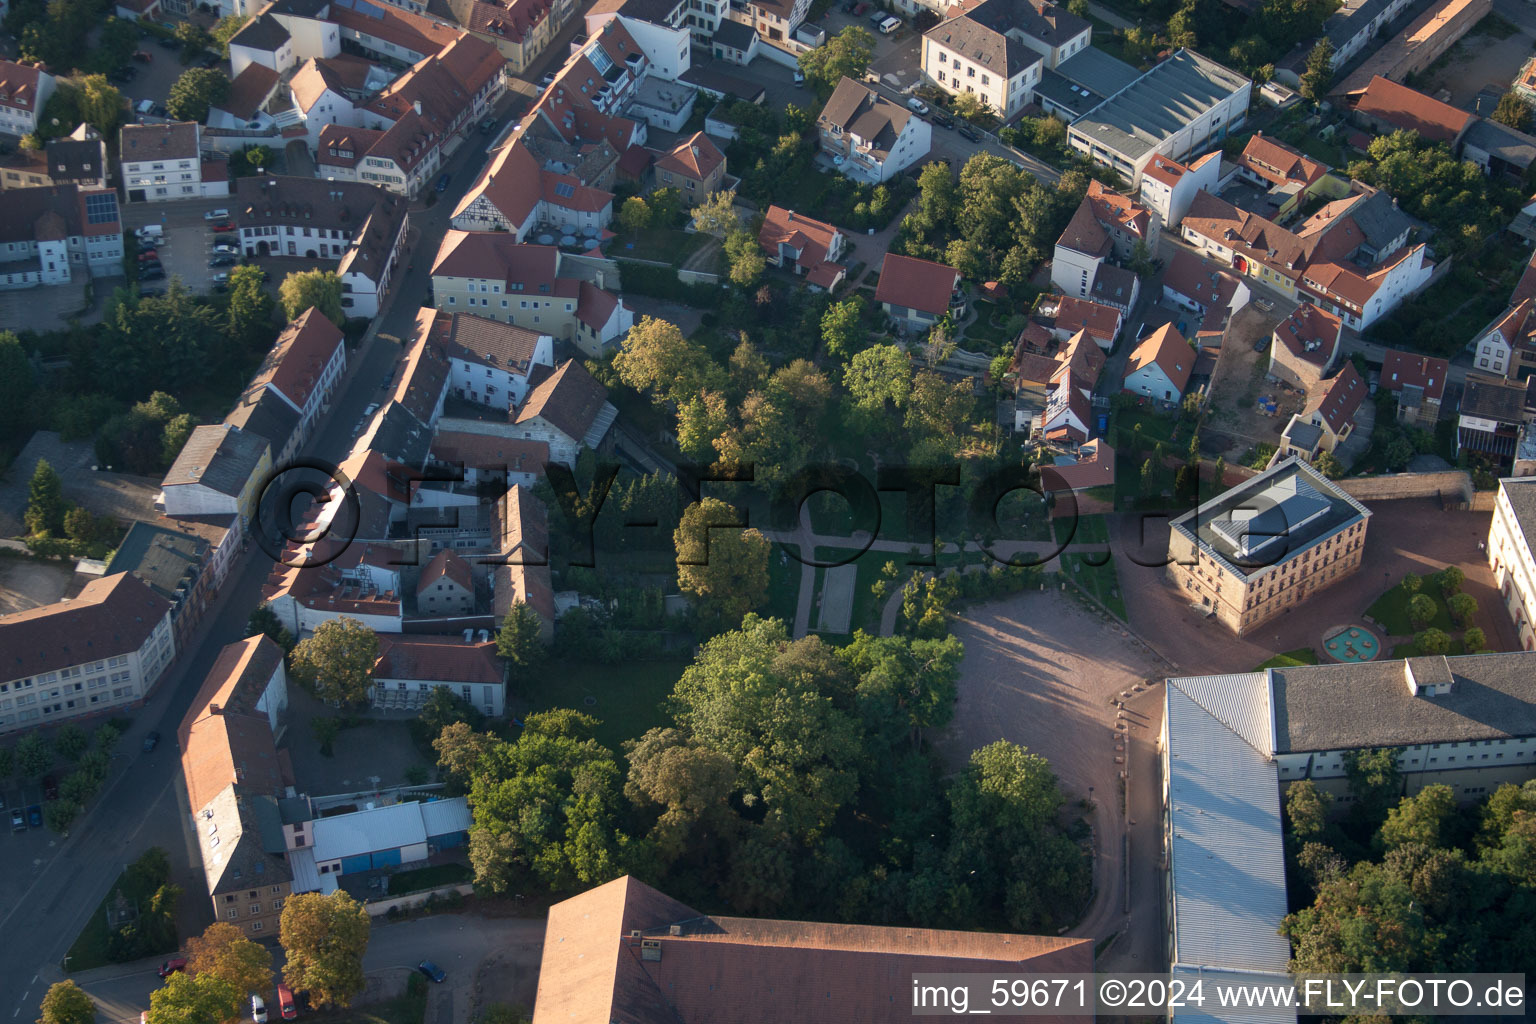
(1173, 94)
(1097, 71)
(219, 457)
(1226, 857)
(265, 414)
(165, 560)
(1353, 706)
(1291, 501)
(1501, 141)
(1304, 434)
(1521, 495)
(1112, 285)
(1379, 220)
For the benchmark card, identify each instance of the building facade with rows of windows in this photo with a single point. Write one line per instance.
(100, 651)
(1509, 553)
(1263, 546)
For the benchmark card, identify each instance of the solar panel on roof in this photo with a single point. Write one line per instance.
(564, 190)
(101, 209)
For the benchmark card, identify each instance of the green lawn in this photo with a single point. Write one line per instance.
(783, 585)
(1098, 580)
(409, 1008)
(665, 245)
(628, 694)
(90, 949)
(1300, 656)
(1154, 426)
(1391, 611)
(1090, 530)
(428, 878)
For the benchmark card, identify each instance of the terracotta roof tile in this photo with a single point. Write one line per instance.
(695, 157)
(1408, 108)
(1408, 369)
(1167, 348)
(1342, 396)
(110, 616)
(917, 284)
(437, 657)
(570, 400)
(446, 565)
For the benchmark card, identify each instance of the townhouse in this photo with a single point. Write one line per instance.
(79, 159)
(47, 235)
(1212, 294)
(163, 162)
(298, 377)
(522, 573)
(566, 410)
(1506, 346)
(238, 790)
(243, 109)
(402, 160)
(361, 582)
(1070, 315)
(1052, 397)
(1169, 187)
(1419, 383)
(359, 225)
(488, 274)
(103, 649)
(1511, 537)
(221, 470)
(868, 137)
(1105, 225)
(918, 293)
(1258, 549)
(1351, 257)
(695, 167)
(174, 564)
(517, 196)
(1287, 175)
(320, 99)
(410, 668)
(452, 89)
(520, 30)
(1304, 347)
(491, 362)
(998, 49)
(24, 90)
(389, 33)
(1494, 412)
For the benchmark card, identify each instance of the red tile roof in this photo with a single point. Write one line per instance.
(1408, 369)
(249, 91)
(917, 284)
(1074, 314)
(414, 32)
(478, 339)
(1162, 169)
(569, 399)
(19, 86)
(1342, 396)
(300, 355)
(1310, 333)
(1526, 289)
(695, 157)
(1167, 348)
(764, 971)
(488, 451)
(812, 238)
(496, 254)
(1408, 108)
(1095, 467)
(344, 140)
(446, 565)
(224, 738)
(508, 19)
(1278, 163)
(110, 616)
(510, 183)
(437, 658)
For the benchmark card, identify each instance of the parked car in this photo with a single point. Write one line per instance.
(890, 25)
(432, 971)
(155, 273)
(943, 120)
(442, 182)
(148, 255)
(143, 56)
(258, 1010)
(223, 260)
(225, 249)
(50, 788)
(150, 265)
(373, 407)
(35, 816)
(221, 277)
(877, 16)
(18, 820)
(151, 741)
(1262, 344)
(226, 226)
(488, 125)
(285, 1004)
(969, 133)
(168, 43)
(916, 105)
(171, 966)
(799, 77)
(219, 214)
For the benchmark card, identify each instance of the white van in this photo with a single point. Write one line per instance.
(150, 233)
(258, 1010)
(890, 25)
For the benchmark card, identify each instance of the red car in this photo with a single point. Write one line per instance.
(143, 56)
(171, 966)
(145, 257)
(226, 226)
(285, 1002)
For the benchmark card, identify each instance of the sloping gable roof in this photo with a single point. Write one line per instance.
(1167, 349)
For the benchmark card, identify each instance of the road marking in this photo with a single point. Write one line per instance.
(34, 979)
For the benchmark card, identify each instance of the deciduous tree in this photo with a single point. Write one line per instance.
(324, 939)
(224, 951)
(842, 328)
(845, 55)
(745, 257)
(206, 999)
(716, 215)
(264, 620)
(1306, 808)
(336, 661)
(656, 358)
(1513, 111)
(195, 91)
(250, 307)
(67, 1003)
(1422, 818)
(321, 289)
(634, 215)
(723, 566)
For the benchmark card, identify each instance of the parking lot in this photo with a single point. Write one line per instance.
(187, 239)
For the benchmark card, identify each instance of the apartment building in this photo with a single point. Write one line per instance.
(102, 650)
(1106, 226)
(1169, 187)
(520, 29)
(220, 471)
(1261, 547)
(491, 361)
(411, 668)
(79, 158)
(1510, 541)
(998, 49)
(1304, 347)
(237, 795)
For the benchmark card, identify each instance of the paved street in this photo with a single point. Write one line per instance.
(59, 886)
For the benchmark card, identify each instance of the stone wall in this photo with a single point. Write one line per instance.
(1455, 484)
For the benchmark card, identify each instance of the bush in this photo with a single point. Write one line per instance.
(1412, 583)
(1433, 641)
(1421, 611)
(662, 283)
(1449, 580)
(1473, 640)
